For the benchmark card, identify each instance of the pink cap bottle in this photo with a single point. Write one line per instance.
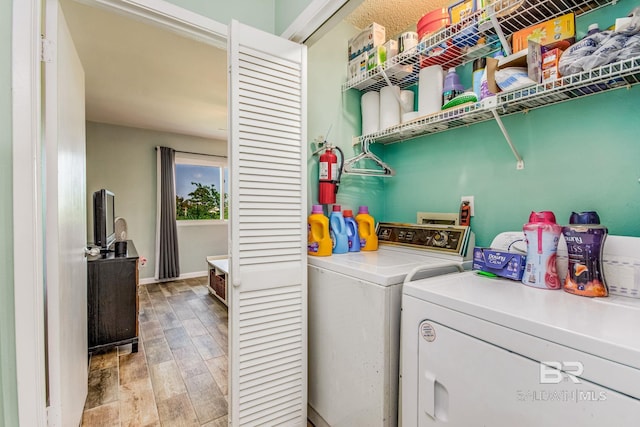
(542, 234)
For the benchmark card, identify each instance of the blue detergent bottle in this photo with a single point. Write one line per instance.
(338, 230)
(352, 231)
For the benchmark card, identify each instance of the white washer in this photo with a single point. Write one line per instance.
(472, 349)
(354, 331)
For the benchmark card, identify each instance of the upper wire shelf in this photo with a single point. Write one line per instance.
(624, 73)
(447, 46)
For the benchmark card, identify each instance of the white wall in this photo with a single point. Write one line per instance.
(123, 160)
(194, 249)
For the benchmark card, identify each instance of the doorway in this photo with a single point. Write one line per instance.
(148, 86)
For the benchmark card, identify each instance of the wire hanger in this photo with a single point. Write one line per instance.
(384, 171)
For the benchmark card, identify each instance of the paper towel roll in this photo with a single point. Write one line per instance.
(370, 108)
(406, 101)
(389, 106)
(407, 117)
(430, 84)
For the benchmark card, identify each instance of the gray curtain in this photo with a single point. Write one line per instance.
(167, 259)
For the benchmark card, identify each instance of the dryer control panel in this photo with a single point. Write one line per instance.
(441, 238)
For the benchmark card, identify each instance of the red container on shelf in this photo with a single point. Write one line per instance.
(432, 22)
(445, 54)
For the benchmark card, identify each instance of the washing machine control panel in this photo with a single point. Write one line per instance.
(442, 238)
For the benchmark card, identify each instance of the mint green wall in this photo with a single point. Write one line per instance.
(8, 387)
(123, 160)
(328, 108)
(579, 155)
(259, 14)
(286, 11)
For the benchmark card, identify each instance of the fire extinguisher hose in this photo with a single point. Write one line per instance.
(339, 168)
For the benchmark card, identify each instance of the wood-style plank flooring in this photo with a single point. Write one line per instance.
(179, 375)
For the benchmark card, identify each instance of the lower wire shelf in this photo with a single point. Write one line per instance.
(625, 73)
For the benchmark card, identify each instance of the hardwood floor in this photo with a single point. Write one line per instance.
(179, 375)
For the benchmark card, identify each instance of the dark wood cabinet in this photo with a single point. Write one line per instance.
(112, 300)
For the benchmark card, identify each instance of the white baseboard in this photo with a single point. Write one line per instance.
(150, 280)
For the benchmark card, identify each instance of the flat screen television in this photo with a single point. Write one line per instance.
(104, 233)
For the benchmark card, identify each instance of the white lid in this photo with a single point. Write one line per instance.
(594, 26)
(452, 70)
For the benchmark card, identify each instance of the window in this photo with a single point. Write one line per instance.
(201, 188)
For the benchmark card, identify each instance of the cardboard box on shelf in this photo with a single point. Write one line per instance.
(494, 64)
(548, 33)
(367, 39)
(375, 57)
(459, 10)
(358, 67)
(534, 61)
(550, 61)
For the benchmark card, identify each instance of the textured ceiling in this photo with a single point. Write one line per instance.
(396, 16)
(143, 76)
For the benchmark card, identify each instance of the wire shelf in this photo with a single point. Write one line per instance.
(625, 73)
(448, 47)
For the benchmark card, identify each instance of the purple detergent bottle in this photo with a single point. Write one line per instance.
(452, 86)
(352, 230)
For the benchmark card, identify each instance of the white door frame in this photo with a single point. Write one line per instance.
(27, 176)
(27, 214)
(28, 245)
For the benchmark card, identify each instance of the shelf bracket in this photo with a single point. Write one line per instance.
(382, 71)
(520, 161)
(496, 26)
(386, 79)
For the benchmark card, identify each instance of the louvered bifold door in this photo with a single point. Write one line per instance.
(267, 147)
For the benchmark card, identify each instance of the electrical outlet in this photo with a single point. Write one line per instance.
(470, 200)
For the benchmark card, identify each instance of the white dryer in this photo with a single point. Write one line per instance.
(480, 351)
(354, 320)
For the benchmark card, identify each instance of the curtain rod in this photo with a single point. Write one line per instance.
(197, 154)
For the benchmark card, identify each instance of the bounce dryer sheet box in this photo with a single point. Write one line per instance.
(501, 263)
(549, 33)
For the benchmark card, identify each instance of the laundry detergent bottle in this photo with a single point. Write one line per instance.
(338, 230)
(319, 240)
(452, 86)
(366, 230)
(542, 234)
(352, 231)
(585, 242)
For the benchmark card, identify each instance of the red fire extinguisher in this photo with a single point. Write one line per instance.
(329, 175)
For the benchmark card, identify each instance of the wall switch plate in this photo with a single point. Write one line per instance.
(470, 200)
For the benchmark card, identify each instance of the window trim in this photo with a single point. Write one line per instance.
(200, 222)
(182, 158)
